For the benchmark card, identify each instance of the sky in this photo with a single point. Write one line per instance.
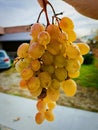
(25, 12)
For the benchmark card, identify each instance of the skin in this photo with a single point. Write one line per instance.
(87, 8)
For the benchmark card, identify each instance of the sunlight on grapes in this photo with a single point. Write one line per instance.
(49, 62)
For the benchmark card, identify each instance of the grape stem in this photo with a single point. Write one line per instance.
(39, 15)
(46, 13)
(45, 10)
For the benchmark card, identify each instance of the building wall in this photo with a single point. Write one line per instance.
(11, 46)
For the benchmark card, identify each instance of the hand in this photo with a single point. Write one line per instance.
(88, 8)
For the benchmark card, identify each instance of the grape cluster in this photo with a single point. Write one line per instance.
(49, 63)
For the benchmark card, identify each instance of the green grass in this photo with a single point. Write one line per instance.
(88, 75)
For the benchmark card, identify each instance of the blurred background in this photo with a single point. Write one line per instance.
(15, 19)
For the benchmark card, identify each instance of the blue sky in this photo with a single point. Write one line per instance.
(24, 12)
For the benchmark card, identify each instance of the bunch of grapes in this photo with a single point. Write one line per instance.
(50, 62)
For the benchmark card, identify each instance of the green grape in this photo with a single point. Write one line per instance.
(74, 75)
(33, 83)
(27, 73)
(73, 65)
(35, 65)
(54, 32)
(54, 48)
(36, 50)
(45, 79)
(47, 58)
(53, 94)
(23, 50)
(35, 93)
(61, 74)
(51, 105)
(63, 38)
(59, 61)
(81, 59)
(49, 115)
(20, 65)
(71, 35)
(49, 68)
(69, 86)
(72, 51)
(66, 24)
(55, 84)
(27, 60)
(44, 38)
(84, 48)
(36, 29)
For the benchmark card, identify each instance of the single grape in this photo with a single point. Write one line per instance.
(61, 73)
(81, 59)
(23, 84)
(51, 105)
(39, 118)
(84, 48)
(35, 65)
(71, 35)
(47, 58)
(27, 60)
(23, 50)
(53, 94)
(27, 73)
(59, 61)
(41, 105)
(49, 115)
(49, 68)
(66, 24)
(54, 32)
(72, 51)
(69, 87)
(35, 93)
(33, 84)
(55, 84)
(63, 38)
(36, 50)
(54, 48)
(36, 29)
(45, 79)
(20, 65)
(73, 65)
(74, 75)
(44, 38)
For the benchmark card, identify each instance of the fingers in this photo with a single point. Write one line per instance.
(88, 8)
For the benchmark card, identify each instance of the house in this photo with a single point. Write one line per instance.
(12, 37)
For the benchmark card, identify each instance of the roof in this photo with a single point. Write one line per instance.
(1, 30)
(22, 36)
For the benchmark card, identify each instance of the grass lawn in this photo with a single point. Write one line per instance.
(89, 75)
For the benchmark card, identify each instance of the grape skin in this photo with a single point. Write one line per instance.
(36, 51)
(41, 106)
(69, 87)
(39, 118)
(23, 50)
(45, 79)
(84, 48)
(49, 115)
